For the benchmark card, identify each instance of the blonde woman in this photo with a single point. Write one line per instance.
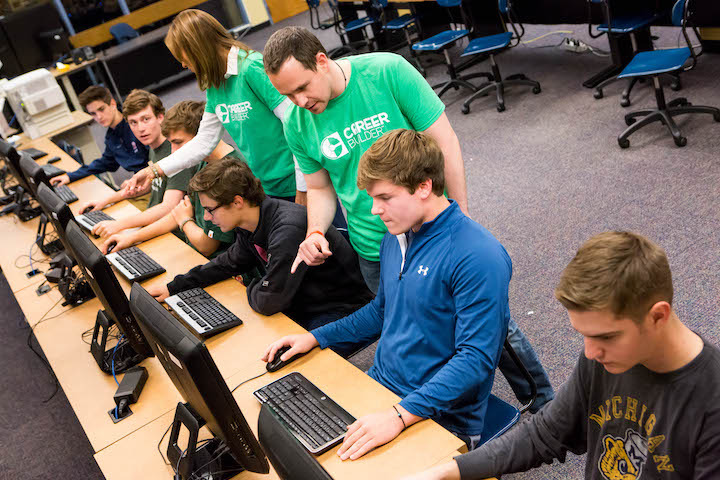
(240, 100)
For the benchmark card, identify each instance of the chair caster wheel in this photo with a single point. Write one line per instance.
(501, 107)
(623, 142)
(716, 117)
(536, 90)
(675, 86)
(465, 109)
(598, 94)
(625, 102)
(680, 141)
(629, 121)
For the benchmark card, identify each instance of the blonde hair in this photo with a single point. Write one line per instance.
(405, 158)
(198, 38)
(622, 272)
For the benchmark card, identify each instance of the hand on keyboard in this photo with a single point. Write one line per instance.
(106, 228)
(120, 240)
(371, 431)
(63, 179)
(160, 292)
(91, 206)
(301, 343)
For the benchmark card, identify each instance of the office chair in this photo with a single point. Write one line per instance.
(500, 415)
(622, 25)
(442, 42)
(653, 64)
(342, 28)
(403, 23)
(491, 45)
(122, 32)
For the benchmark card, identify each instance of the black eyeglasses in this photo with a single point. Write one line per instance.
(210, 211)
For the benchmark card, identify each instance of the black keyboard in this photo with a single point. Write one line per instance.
(90, 219)
(202, 312)
(52, 171)
(134, 264)
(65, 194)
(313, 417)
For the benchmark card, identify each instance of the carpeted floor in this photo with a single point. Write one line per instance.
(544, 176)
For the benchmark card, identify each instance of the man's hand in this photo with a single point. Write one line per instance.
(369, 432)
(121, 241)
(301, 343)
(160, 292)
(313, 251)
(92, 206)
(63, 179)
(106, 228)
(446, 471)
(140, 181)
(183, 210)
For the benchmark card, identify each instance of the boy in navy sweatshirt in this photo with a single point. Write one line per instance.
(122, 149)
(441, 312)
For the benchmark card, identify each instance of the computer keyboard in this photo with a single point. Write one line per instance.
(90, 219)
(310, 415)
(52, 171)
(134, 264)
(65, 194)
(202, 312)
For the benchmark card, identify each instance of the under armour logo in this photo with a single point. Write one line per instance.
(422, 270)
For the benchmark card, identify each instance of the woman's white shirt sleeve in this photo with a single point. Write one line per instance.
(196, 150)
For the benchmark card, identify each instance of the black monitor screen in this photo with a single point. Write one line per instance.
(12, 160)
(197, 378)
(105, 284)
(57, 211)
(34, 173)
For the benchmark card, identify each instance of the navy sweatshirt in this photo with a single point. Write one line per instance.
(122, 149)
(441, 314)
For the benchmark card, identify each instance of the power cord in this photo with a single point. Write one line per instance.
(249, 379)
(44, 361)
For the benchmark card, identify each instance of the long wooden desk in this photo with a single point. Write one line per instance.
(128, 449)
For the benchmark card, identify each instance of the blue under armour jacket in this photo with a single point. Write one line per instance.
(441, 313)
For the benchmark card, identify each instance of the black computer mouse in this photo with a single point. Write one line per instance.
(87, 209)
(276, 364)
(110, 247)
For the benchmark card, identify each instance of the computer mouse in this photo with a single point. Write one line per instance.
(86, 210)
(112, 245)
(276, 364)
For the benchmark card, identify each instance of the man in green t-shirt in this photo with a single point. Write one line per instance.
(340, 109)
(180, 126)
(145, 113)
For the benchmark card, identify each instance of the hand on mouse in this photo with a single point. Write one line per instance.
(118, 242)
(301, 343)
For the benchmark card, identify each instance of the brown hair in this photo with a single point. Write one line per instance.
(225, 178)
(202, 40)
(296, 42)
(94, 93)
(622, 272)
(405, 158)
(138, 100)
(185, 115)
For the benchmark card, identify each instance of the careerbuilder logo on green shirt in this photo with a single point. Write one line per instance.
(357, 133)
(236, 112)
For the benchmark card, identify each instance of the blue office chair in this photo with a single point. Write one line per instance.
(653, 64)
(442, 42)
(492, 45)
(500, 415)
(122, 32)
(623, 25)
(403, 24)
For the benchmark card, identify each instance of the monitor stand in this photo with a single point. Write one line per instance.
(49, 248)
(123, 354)
(212, 460)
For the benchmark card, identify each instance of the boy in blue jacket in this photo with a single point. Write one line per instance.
(441, 312)
(122, 149)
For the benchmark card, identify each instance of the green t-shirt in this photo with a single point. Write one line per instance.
(178, 181)
(384, 93)
(211, 230)
(244, 104)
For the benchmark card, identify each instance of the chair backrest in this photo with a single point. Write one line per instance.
(122, 32)
(499, 417)
(313, 3)
(379, 3)
(503, 6)
(678, 12)
(449, 3)
(506, 9)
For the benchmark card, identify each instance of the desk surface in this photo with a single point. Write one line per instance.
(72, 67)
(80, 119)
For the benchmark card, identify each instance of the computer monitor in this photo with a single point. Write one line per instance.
(56, 211)
(20, 205)
(194, 373)
(34, 173)
(105, 284)
(12, 161)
